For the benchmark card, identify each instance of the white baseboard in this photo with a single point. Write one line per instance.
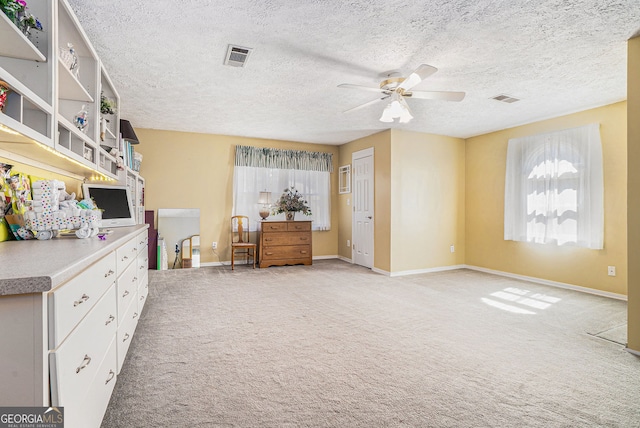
(550, 283)
(324, 257)
(344, 259)
(227, 263)
(632, 351)
(417, 271)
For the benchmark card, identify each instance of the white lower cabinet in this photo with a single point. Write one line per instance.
(65, 347)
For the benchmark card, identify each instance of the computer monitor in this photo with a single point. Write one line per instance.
(114, 201)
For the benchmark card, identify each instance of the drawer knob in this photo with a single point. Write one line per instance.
(134, 249)
(125, 258)
(109, 273)
(126, 293)
(141, 297)
(112, 374)
(85, 363)
(126, 337)
(109, 320)
(135, 315)
(135, 278)
(83, 299)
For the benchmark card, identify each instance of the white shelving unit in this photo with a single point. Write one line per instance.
(45, 95)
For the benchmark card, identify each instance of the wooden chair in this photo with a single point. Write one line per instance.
(240, 239)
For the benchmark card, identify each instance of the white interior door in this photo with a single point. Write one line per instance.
(362, 249)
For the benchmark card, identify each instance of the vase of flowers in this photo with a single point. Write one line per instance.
(291, 202)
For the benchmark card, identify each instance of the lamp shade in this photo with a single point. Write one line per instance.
(264, 198)
(128, 134)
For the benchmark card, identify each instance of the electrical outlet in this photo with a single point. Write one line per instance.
(453, 249)
(348, 242)
(611, 271)
(214, 245)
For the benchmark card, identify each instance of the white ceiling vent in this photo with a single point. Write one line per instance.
(505, 98)
(237, 56)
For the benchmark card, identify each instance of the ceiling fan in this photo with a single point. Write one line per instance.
(398, 88)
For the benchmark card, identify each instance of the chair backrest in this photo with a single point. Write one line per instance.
(239, 229)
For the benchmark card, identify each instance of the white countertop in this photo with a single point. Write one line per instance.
(39, 266)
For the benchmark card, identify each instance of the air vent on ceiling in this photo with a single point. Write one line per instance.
(237, 56)
(505, 98)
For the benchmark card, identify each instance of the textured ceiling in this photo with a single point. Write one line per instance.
(166, 60)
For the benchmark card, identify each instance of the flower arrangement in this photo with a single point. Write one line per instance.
(107, 105)
(291, 201)
(16, 10)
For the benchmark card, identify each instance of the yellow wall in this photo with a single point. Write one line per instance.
(485, 178)
(633, 112)
(190, 170)
(427, 199)
(381, 143)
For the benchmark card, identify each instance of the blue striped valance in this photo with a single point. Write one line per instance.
(283, 159)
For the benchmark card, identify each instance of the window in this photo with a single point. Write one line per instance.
(554, 188)
(262, 169)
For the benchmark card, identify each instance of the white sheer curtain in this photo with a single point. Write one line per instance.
(313, 182)
(554, 188)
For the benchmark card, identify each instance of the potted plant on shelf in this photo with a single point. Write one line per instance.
(16, 11)
(290, 202)
(107, 106)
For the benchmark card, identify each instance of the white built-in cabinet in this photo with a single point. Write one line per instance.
(66, 330)
(38, 122)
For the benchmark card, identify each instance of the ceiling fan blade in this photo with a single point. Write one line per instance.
(365, 88)
(436, 95)
(367, 104)
(420, 73)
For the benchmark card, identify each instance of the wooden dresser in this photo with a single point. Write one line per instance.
(284, 243)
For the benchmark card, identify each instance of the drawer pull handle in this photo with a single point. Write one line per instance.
(141, 297)
(142, 267)
(111, 376)
(269, 254)
(111, 318)
(109, 273)
(268, 239)
(125, 258)
(303, 252)
(303, 238)
(141, 242)
(84, 364)
(126, 336)
(135, 278)
(134, 249)
(126, 293)
(83, 299)
(273, 228)
(135, 315)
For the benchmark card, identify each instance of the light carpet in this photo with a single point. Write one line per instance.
(335, 345)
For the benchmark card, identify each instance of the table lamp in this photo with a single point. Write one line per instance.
(264, 199)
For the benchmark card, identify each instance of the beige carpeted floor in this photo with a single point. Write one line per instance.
(335, 345)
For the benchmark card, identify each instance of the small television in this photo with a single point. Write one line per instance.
(114, 201)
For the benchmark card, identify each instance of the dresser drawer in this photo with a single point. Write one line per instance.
(274, 227)
(286, 238)
(125, 333)
(89, 412)
(127, 290)
(143, 240)
(295, 226)
(126, 254)
(70, 302)
(75, 363)
(287, 252)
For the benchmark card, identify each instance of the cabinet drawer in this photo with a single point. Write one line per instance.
(143, 292)
(143, 262)
(70, 302)
(125, 333)
(274, 227)
(126, 254)
(286, 238)
(287, 252)
(75, 363)
(127, 290)
(298, 226)
(143, 240)
(90, 411)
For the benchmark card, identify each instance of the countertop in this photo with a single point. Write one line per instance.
(39, 266)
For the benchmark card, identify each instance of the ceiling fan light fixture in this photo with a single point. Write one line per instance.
(386, 114)
(396, 109)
